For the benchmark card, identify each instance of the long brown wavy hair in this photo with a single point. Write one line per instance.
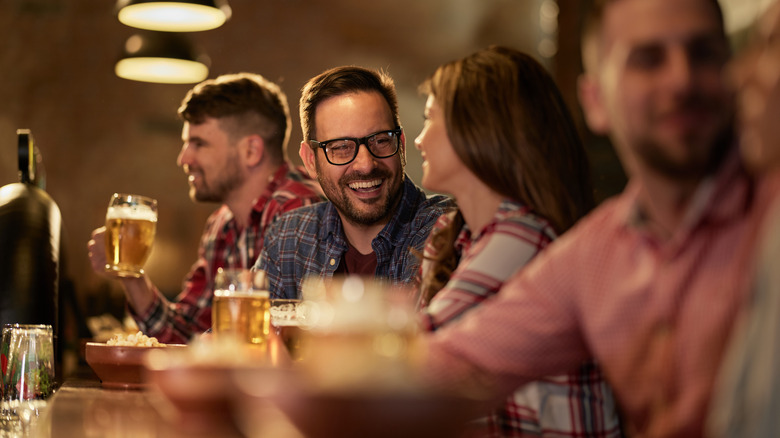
(509, 125)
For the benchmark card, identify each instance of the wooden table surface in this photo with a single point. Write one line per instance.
(83, 409)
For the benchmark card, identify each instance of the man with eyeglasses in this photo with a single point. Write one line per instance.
(377, 217)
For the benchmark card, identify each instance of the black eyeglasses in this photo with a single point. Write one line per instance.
(341, 151)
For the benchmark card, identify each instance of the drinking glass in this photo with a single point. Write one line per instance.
(27, 354)
(131, 223)
(287, 317)
(360, 332)
(240, 310)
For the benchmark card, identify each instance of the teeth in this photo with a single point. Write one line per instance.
(364, 184)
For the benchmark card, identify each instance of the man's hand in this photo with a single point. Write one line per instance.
(139, 291)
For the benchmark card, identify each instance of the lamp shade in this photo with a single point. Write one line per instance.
(173, 15)
(162, 57)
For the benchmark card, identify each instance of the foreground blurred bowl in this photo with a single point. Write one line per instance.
(119, 366)
(194, 389)
(353, 414)
(377, 415)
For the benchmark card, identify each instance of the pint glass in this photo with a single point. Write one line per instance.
(131, 222)
(287, 317)
(240, 309)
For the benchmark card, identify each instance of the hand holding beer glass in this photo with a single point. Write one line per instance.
(131, 223)
(240, 310)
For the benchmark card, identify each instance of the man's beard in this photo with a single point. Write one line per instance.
(381, 208)
(694, 168)
(228, 179)
(700, 163)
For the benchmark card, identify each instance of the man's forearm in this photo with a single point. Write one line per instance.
(139, 292)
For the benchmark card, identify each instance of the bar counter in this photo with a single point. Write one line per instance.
(81, 408)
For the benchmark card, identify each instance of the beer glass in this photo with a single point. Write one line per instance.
(287, 317)
(240, 310)
(359, 332)
(131, 222)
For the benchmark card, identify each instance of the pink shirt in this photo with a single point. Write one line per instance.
(655, 314)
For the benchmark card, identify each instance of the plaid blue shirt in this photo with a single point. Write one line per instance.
(311, 241)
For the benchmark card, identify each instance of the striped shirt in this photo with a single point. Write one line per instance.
(655, 312)
(577, 404)
(223, 245)
(311, 241)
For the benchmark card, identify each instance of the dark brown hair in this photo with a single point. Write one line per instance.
(592, 22)
(339, 81)
(509, 125)
(244, 103)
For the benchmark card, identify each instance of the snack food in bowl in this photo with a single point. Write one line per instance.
(118, 363)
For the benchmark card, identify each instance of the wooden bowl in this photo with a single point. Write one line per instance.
(194, 389)
(353, 414)
(119, 366)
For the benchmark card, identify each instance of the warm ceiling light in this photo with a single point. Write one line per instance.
(174, 15)
(161, 57)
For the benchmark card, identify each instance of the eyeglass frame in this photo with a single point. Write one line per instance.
(398, 131)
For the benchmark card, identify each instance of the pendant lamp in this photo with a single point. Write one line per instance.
(173, 15)
(163, 57)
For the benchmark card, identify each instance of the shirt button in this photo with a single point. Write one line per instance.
(332, 262)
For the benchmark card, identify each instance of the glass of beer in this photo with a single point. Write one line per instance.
(131, 222)
(359, 332)
(240, 310)
(287, 317)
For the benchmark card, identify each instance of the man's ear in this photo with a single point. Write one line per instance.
(307, 156)
(254, 151)
(402, 147)
(592, 100)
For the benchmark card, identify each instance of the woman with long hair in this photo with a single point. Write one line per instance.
(499, 138)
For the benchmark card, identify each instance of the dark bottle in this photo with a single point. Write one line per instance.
(30, 236)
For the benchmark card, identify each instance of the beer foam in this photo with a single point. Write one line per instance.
(138, 212)
(232, 293)
(287, 312)
(287, 322)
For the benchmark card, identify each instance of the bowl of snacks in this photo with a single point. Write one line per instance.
(118, 362)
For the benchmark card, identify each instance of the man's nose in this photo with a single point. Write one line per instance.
(680, 69)
(363, 159)
(184, 156)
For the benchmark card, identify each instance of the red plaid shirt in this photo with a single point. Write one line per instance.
(578, 404)
(223, 245)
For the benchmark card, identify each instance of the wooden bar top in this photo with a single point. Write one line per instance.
(83, 409)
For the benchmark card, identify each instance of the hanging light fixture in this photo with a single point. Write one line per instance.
(162, 57)
(173, 15)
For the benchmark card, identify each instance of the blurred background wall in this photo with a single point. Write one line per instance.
(101, 134)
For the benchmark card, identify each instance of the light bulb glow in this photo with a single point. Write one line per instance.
(161, 70)
(172, 16)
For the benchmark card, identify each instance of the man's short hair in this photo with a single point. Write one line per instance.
(244, 104)
(592, 23)
(339, 81)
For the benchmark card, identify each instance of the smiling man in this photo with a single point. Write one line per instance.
(235, 134)
(354, 145)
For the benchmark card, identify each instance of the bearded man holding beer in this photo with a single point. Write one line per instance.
(235, 134)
